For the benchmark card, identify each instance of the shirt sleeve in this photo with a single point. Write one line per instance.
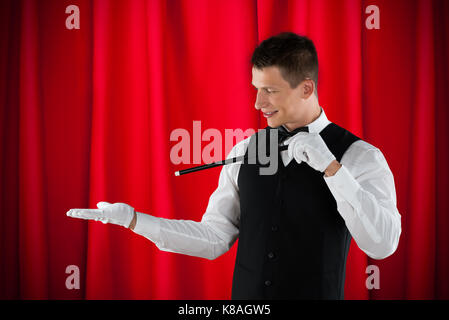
(366, 199)
(215, 233)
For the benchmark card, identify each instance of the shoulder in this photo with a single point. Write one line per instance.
(362, 146)
(239, 148)
(231, 170)
(364, 156)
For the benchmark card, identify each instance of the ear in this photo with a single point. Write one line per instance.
(308, 87)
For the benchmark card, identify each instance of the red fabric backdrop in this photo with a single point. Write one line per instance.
(86, 115)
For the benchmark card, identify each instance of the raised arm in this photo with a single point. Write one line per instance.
(366, 199)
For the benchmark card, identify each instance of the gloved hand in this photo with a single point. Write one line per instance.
(310, 148)
(117, 213)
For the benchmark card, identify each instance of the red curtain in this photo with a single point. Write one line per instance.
(86, 115)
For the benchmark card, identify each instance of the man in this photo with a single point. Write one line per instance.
(294, 226)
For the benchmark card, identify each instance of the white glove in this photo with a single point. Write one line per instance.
(310, 148)
(117, 213)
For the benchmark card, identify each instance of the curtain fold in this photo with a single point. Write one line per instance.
(441, 52)
(86, 116)
(421, 243)
(32, 215)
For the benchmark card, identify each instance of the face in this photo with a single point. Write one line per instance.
(279, 103)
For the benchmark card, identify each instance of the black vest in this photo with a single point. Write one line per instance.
(293, 243)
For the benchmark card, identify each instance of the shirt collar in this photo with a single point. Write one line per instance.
(318, 124)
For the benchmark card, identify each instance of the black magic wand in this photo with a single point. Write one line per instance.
(283, 134)
(219, 163)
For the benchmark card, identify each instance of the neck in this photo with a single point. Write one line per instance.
(314, 112)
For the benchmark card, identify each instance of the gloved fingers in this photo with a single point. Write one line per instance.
(103, 204)
(295, 148)
(89, 214)
(302, 155)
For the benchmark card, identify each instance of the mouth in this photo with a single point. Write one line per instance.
(269, 114)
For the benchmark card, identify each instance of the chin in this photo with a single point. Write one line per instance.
(273, 123)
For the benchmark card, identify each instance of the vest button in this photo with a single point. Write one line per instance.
(271, 255)
(274, 228)
(268, 283)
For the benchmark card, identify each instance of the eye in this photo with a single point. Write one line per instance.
(267, 90)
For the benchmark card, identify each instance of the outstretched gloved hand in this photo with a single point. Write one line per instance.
(115, 213)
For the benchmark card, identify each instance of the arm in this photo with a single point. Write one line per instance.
(209, 238)
(132, 225)
(363, 187)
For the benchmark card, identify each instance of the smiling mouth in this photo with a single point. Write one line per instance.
(269, 114)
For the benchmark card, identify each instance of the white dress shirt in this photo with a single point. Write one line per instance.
(363, 188)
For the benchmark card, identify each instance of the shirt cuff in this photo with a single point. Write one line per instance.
(148, 226)
(344, 187)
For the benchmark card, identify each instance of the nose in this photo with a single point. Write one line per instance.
(261, 100)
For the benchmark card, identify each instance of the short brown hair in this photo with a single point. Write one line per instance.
(294, 55)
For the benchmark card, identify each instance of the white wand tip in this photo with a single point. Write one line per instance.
(177, 173)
